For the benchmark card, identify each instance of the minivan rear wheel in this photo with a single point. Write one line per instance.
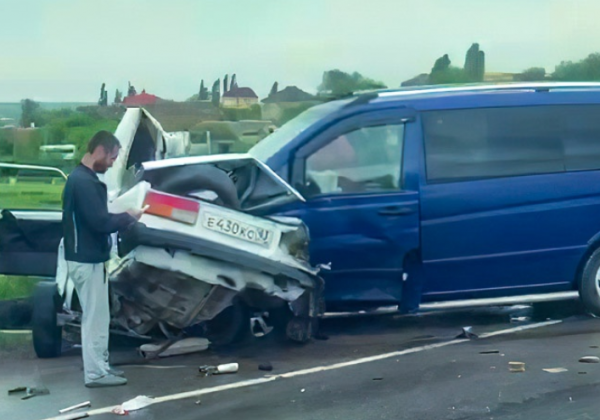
(589, 287)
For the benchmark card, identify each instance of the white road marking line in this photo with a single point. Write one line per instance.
(362, 360)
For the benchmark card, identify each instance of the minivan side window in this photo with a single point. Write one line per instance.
(498, 142)
(364, 160)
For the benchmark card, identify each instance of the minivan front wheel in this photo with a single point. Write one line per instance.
(589, 287)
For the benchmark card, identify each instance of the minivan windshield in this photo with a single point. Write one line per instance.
(288, 131)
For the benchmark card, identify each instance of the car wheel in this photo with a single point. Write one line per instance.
(47, 335)
(589, 287)
(231, 326)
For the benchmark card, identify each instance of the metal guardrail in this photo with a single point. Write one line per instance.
(34, 167)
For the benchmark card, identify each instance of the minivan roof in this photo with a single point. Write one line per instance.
(429, 91)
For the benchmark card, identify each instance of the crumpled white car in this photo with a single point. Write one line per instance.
(200, 262)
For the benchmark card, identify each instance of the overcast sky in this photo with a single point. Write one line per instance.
(62, 50)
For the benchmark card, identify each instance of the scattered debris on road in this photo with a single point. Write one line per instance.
(185, 346)
(520, 319)
(30, 392)
(490, 352)
(16, 390)
(258, 325)
(137, 403)
(379, 378)
(467, 332)
(75, 407)
(321, 336)
(74, 416)
(589, 359)
(555, 370)
(267, 367)
(516, 366)
(217, 370)
(302, 390)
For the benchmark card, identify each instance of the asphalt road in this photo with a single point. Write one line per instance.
(424, 373)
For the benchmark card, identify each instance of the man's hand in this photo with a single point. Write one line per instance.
(137, 214)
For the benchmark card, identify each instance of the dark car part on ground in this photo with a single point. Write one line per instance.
(47, 334)
(15, 313)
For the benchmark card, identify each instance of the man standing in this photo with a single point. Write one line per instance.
(87, 226)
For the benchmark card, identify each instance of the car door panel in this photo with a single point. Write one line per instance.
(30, 219)
(29, 243)
(510, 204)
(364, 235)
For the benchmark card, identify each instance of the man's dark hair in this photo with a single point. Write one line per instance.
(105, 139)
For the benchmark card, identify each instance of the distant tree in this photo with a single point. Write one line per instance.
(448, 76)
(233, 82)
(225, 84)
(533, 74)
(203, 93)
(443, 72)
(216, 94)
(131, 90)
(274, 89)
(441, 64)
(341, 83)
(118, 97)
(474, 64)
(103, 100)
(587, 69)
(30, 111)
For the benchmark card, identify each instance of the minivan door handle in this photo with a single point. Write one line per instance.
(396, 211)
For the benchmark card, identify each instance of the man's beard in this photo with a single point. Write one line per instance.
(99, 168)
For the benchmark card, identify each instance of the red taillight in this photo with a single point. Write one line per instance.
(172, 207)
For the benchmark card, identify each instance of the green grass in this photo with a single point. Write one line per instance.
(15, 287)
(31, 195)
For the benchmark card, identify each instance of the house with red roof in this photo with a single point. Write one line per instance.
(142, 99)
(239, 97)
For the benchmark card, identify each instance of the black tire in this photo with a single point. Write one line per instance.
(47, 335)
(589, 287)
(231, 326)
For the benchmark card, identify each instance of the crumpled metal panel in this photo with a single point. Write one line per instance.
(218, 273)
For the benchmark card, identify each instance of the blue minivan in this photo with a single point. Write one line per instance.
(446, 194)
(423, 198)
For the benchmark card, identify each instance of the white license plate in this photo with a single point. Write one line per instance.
(237, 229)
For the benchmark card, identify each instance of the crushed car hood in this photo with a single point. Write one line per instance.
(269, 186)
(142, 138)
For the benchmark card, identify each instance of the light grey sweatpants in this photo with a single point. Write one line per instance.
(91, 284)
